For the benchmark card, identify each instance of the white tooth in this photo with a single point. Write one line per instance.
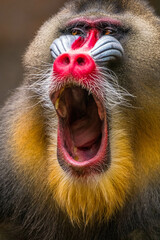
(58, 99)
(101, 115)
(76, 158)
(62, 110)
(100, 110)
(57, 104)
(75, 152)
(61, 91)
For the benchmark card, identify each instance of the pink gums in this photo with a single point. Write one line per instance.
(96, 160)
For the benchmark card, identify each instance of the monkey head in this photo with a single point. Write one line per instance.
(82, 129)
(92, 78)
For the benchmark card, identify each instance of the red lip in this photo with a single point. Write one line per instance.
(82, 128)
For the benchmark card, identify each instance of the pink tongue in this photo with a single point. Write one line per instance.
(85, 131)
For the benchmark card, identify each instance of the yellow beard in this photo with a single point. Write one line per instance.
(97, 195)
(82, 198)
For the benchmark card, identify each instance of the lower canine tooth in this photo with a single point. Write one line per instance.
(75, 151)
(76, 158)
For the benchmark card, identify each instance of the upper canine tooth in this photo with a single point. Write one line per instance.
(61, 91)
(57, 103)
(100, 110)
(58, 99)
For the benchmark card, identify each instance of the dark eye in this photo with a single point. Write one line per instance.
(77, 31)
(109, 31)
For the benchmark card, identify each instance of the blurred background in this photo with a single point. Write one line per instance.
(19, 21)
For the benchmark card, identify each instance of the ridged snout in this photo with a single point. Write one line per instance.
(82, 61)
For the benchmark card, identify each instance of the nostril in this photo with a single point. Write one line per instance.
(81, 61)
(77, 65)
(62, 64)
(65, 60)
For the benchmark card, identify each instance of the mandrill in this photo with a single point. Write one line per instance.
(80, 138)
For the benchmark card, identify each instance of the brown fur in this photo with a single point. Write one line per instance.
(40, 200)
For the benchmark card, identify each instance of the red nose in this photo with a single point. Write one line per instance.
(77, 65)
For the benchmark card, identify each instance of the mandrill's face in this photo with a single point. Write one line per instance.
(97, 104)
(79, 88)
(94, 159)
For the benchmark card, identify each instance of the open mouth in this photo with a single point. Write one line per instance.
(82, 128)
